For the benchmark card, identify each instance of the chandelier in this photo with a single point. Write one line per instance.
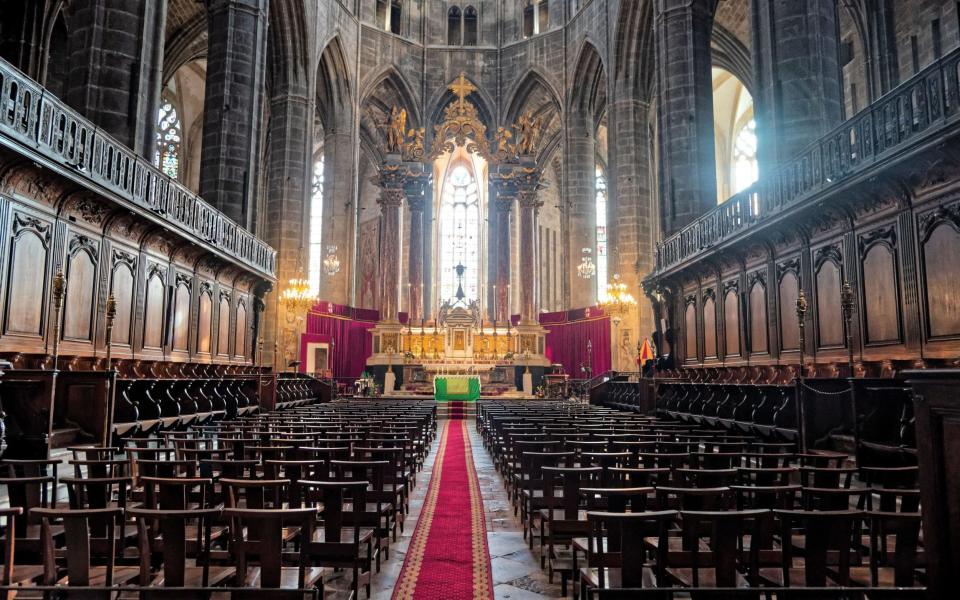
(297, 298)
(586, 269)
(619, 301)
(331, 263)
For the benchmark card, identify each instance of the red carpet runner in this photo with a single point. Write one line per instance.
(456, 409)
(448, 557)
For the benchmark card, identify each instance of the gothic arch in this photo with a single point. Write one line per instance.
(480, 99)
(729, 53)
(287, 45)
(380, 95)
(588, 94)
(634, 50)
(185, 42)
(534, 95)
(333, 88)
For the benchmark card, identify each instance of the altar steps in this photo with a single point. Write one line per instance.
(456, 410)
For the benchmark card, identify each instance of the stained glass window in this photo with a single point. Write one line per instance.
(316, 227)
(169, 135)
(460, 235)
(601, 187)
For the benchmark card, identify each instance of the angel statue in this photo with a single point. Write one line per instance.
(413, 149)
(504, 147)
(527, 129)
(396, 127)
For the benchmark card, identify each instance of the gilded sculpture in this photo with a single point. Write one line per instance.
(528, 132)
(396, 129)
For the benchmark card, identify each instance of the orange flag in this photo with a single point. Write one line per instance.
(646, 351)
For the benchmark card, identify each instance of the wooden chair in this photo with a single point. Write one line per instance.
(14, 574)
(337, 544)
(177, 543)
(713, 548)
(257, 546)
(894, 551)
(561, 519)
(615, 552)
(89, 557)
(826, 543)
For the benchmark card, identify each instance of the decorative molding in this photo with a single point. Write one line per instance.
(691, 299)
(206, 288)
(23, 222)
(788, 266)
(929, 221)
(733, 284)
(126, 258)
(82, 243)
(755, 277)
(709, 293)
(157, 270)
(183, 279)
(827, 253)
(882, 235)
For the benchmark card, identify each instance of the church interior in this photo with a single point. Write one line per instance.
(476, 299)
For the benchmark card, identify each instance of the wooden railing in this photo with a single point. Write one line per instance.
(924, 104)
(33, 118)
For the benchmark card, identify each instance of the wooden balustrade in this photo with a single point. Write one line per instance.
(41, 124)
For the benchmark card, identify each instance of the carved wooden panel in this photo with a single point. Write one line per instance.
(123, 294)
(709, 326)
(204, 321)
(153, 315)
(731, 322)
(789, 289)
(829, 316)
(758, 317)
(223, 326)
(80, 302)
(26, 283)
(690, 329)
(240, 348)
(181, 317)
(942, 248)
(881, 295)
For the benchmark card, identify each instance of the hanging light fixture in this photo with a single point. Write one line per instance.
(297, 297)
(331, 263)
(586, 269)
(619, 301)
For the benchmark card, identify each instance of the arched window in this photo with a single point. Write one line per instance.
(735, 134)
(169, 135)
(601, 189)
(745, 170)
(470, 26)
(460, 234)
(316, 226)
(396, 10)
(543, 16)
(454, 21)
(529, 19)
(383, 15)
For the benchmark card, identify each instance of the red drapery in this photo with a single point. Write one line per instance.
(349, 330)
(569, 331)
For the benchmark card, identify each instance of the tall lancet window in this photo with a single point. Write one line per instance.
(316, 226)
(460, 235)
(169, 136)
(601, 189)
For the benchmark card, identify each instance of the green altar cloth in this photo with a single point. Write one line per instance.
(456, 387)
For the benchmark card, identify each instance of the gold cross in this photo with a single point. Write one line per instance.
(462, 88)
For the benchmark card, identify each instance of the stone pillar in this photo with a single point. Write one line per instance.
(416, 188)
(798, 79)
(115, 70)
(503, 204)
(582, 198)
(232, 108)
(391, 205)
(529, 204)
(339, 213)
(289, 175)
(688, 186)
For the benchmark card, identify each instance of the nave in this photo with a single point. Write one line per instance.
(380, 499)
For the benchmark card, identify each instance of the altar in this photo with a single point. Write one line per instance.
(456, 387)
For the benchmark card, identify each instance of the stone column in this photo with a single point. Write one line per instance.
(529, 203)
(506, 191)
(232, 108)
(798, 78)
(416, 187)
(582, 199)
(685, 111)
(391, 204)
(116, 63)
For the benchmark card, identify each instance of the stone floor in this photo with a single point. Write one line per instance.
(516, 570)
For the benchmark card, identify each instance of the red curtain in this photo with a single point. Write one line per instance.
(349, 330)
(569, 332)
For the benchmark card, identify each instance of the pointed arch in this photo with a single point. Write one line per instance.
(333, 88)
(380, 94)
(533, 94)
(479, 98)
(634, 50)
(588, 95)
(287, 43)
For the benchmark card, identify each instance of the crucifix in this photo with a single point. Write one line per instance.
(460, 270)
(462, 88)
